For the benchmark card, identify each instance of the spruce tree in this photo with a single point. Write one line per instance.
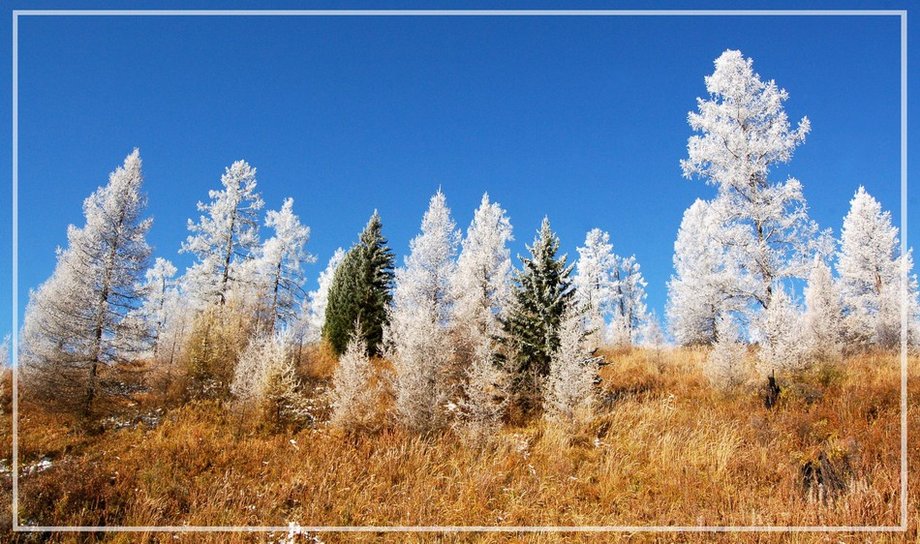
(542, 293)
(360, 291)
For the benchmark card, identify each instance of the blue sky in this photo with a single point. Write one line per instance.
(581, 119)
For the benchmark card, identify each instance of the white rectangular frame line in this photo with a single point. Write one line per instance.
(902, 14)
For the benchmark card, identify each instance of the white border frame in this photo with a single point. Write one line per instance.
(902, 527)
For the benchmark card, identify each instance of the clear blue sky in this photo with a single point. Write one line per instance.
(582, 119)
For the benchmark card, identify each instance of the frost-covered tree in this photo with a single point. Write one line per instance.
(354, 393)
(823, 314)
(265, 378)
(568, 396)
(319, 299)
(726, 365)
(630, 312)
(226, 235)
(360, 291)
(652, 335)
(781, 336)
(5, 353)
(743, 131)
(280, 265)
(485, 395)
(481, 286)
(543, 289)
(867, 264)
(595, 284)
(417, 336)
(158, 288)
(176, 322)
(893, 299)
(77, 340)
(701, 287)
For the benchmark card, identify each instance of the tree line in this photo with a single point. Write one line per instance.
(467, 334)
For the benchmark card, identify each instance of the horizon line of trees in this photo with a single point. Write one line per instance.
(468, 334)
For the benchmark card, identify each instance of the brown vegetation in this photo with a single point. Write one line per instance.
(665, 449)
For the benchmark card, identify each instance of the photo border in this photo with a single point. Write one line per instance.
(902, 527)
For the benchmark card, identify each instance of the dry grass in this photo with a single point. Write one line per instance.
(665, 449)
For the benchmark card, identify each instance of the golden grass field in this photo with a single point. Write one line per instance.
(665, 449)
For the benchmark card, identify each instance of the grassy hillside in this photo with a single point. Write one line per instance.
(665, 449)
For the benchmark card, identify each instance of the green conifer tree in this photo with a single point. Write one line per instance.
(542, 292)
(360, 291)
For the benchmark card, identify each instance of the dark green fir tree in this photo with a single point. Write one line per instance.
(542, 292)
(360, 291)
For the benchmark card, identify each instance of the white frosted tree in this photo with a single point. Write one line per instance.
(76, 335)
(485, 395)
(568, 395)
(893, 299)
(320, 297)
(158, 288)
(5, 353)
(701, 287)
(743, 131)
(225, 236)
(354, 393)
(867, 264)
(265, 378)
(780, 334)
(175, 326)
(481, 288)
(280, 265)
(652, 335)
(630, 311)
(595, 286)
(823, 314)
(726, 365)
(481, 284)
(417, 335)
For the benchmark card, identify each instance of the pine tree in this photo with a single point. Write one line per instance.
(701, 288)
(779, 329)
(652, 334)
(77, 340)
(158, 289)
(485, 395)
(823, 314)
(542, 291)
(867, 263)
(744, 131)
(280, 265)
(569, 393)
(360, 291)
(630, 312)
(226, 235)
(354, 393)
(892, 300)
(481, 286)
(417, 335)
(595, 286)
(726, 365)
